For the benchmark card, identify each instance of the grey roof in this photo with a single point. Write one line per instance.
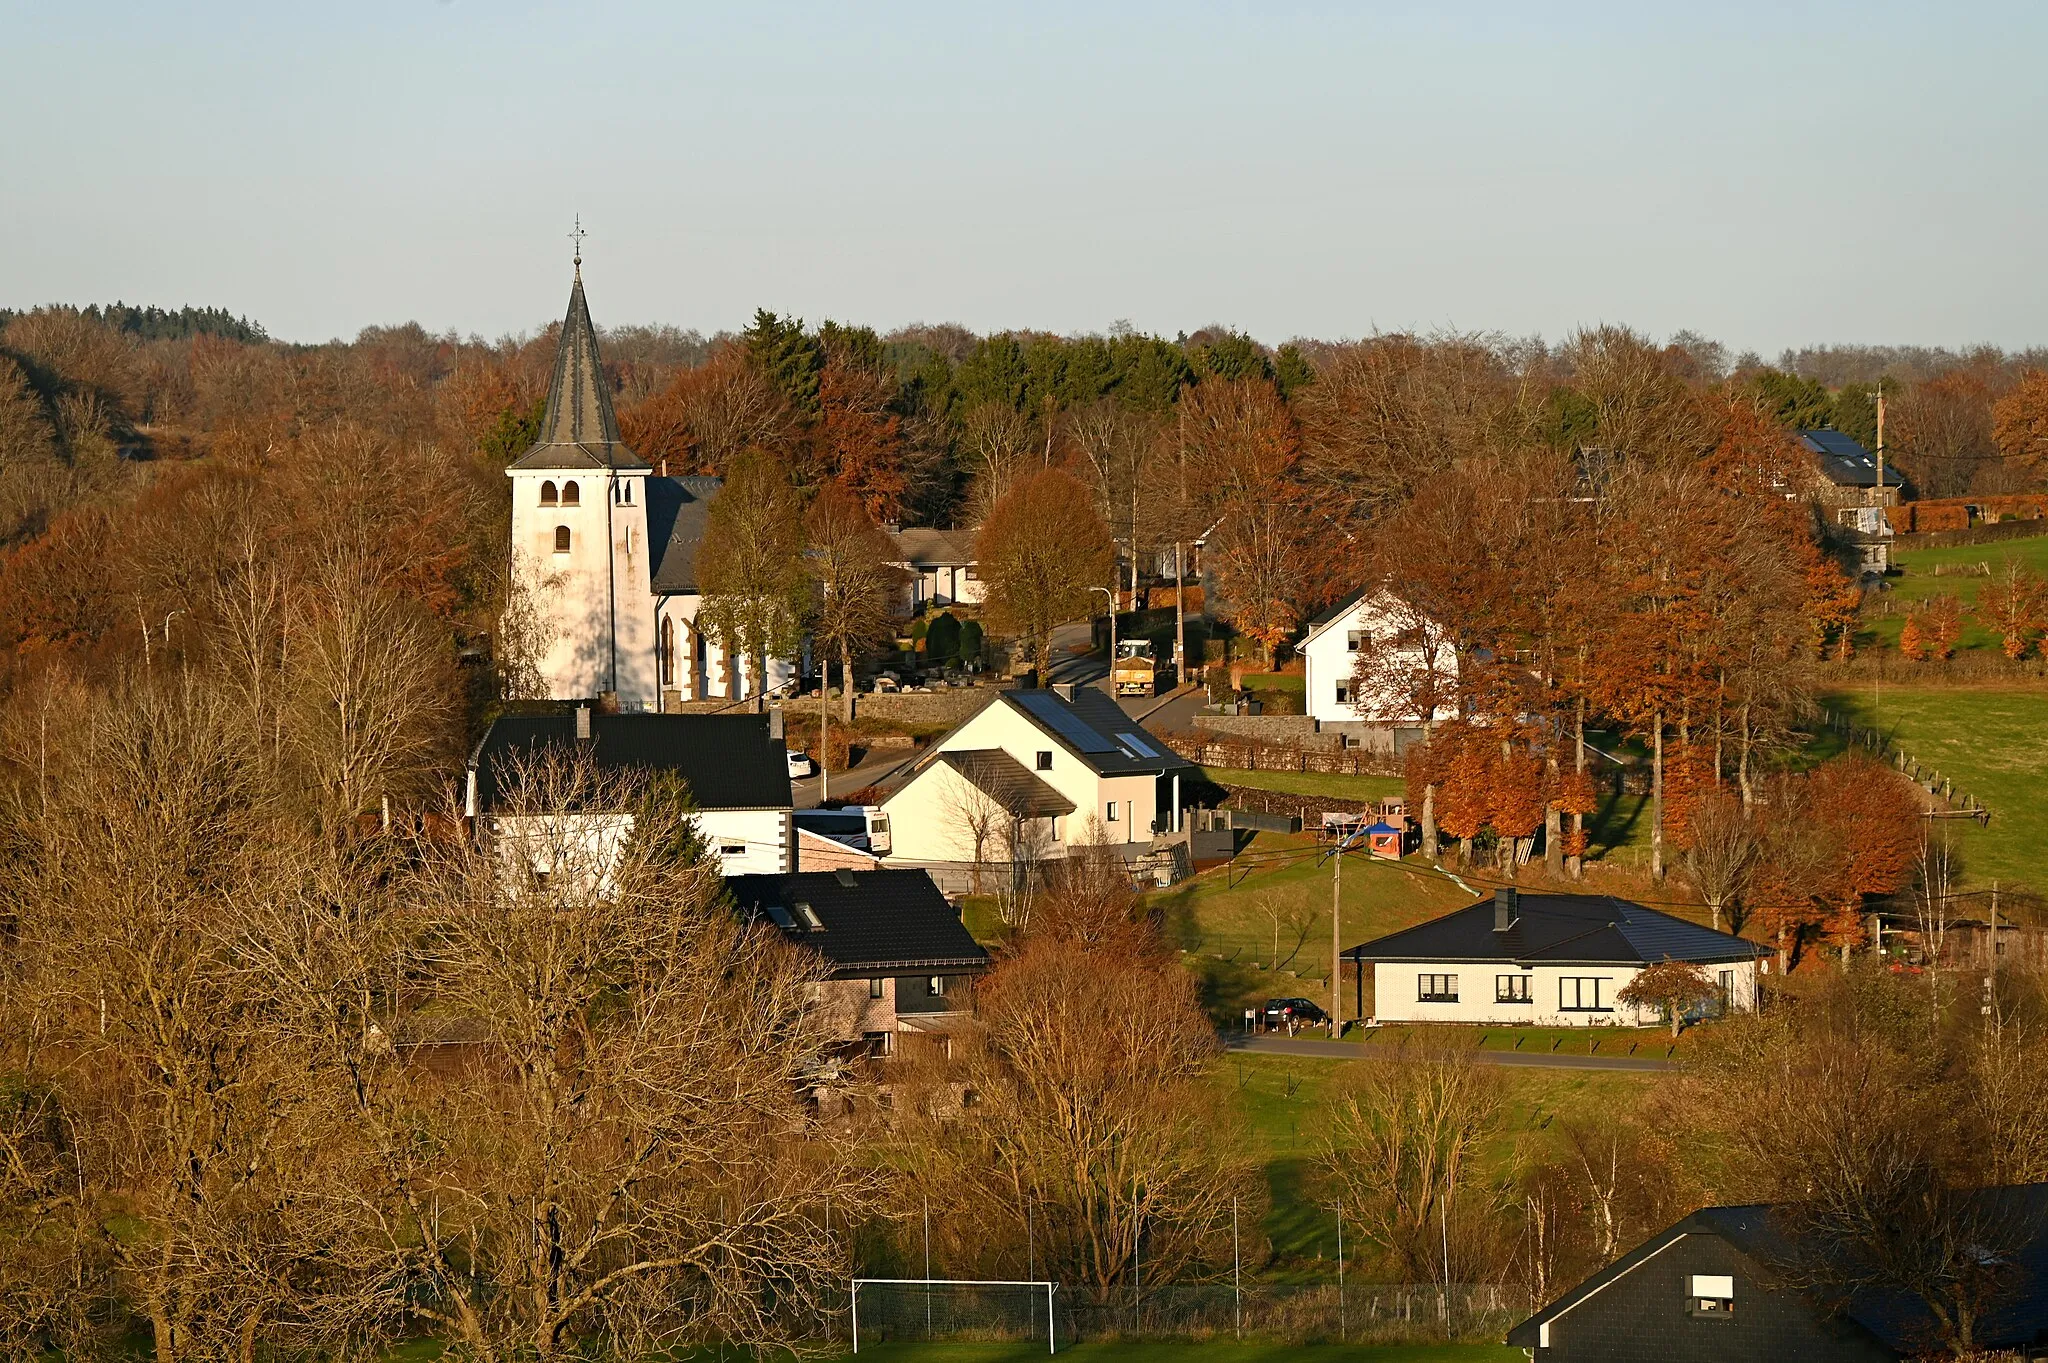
(676, 512)
(727, 761)
(922, 547)
(1900, 1321)
(1842, 460)
(1095, 729)
(1008, 782)
(1556, 929)
(871, 922)
(580, 430)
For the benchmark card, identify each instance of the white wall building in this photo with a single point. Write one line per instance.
(1058, 767)
(733, 766)
(1546, 960)
(1403, 645)
(604, 556)
(941, 566)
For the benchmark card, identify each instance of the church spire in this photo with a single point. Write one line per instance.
(580, 429)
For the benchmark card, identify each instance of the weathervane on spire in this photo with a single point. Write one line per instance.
(577, 237)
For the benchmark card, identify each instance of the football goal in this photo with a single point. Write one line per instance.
(952, 1308)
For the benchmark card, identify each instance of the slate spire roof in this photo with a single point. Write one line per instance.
(580, 431)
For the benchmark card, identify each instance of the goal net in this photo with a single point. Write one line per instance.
(905, 1309)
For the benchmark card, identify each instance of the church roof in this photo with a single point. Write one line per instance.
(676, 512)
(580, 431)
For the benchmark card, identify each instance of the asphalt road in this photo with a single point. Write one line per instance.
(1351, 1050)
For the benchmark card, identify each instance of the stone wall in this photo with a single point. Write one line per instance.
(944, 708)
(1292, 731)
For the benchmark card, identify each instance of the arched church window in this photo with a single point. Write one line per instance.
(570, 496)
(629, 492)
(668, 652)
(547, 493)
(562, 537)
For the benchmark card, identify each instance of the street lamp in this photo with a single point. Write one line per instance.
(1110, 592)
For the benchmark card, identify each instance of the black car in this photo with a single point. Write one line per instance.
(1300, 1011)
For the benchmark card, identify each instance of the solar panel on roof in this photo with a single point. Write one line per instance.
(1050, 710)
(1143, 749)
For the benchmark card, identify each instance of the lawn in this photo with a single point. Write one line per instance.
(1286, 1099)
(1334, 786)
(1260, 926)
(1885, 615)
(1994, 744)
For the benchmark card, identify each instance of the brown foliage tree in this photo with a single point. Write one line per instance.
(2020, 425)
(1040, 552)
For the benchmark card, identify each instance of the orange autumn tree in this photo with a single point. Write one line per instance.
(859, 439)
(2019, 423)
(2014, 606)
(1932, 628)
(1843, 834)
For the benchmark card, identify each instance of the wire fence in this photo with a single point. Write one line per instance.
(1292, 1313)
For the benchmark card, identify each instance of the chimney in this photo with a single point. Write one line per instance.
(775, 724)
(1506, 903)
(1064, 690)
(583, 723)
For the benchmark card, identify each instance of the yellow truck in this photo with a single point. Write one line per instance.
(1134, 671)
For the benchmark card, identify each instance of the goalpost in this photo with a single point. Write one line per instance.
(992, 1307)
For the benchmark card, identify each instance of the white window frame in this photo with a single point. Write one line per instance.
(1576, 985)
(1436, 988)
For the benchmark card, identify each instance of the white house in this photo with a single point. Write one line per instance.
(1550, 960)
(734, 768)
(604, 556)
(1031, 775)
(941, 566)
(1403, 649)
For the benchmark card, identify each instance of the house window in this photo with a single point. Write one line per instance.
(1343, 692)
(1356, 639)
(1710, 1296)
(1044, 760)
(668, 652)
(732, 849)
(936, 986)
(561, 539)
(1582, 994)
(547, 492)
(874, 989)
(1055, 828)
(1727, 983)
(1511, 989)
(570, 496)
(1436, 988)
(876, 1044)
(1109, 812)
(972, 575)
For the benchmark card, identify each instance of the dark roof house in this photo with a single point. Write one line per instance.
(1558, 929)
(727, 761)
(1714, 1286)
(1095, 729)
(1842, 460)
(864, 923)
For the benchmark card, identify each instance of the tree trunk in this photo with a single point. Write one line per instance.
(1553, 822)
(1657, 800)
(761, 682)
(1577, 863)
(846, 677)
(1429, 843)
(1742, 762)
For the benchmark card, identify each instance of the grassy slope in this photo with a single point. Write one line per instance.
(1994, 743)
(1886, 616)
(1286, 1100)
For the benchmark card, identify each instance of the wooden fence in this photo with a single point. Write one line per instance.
(1960, 804)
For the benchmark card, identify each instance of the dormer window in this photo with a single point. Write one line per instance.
(547, 493)
(1710, 1296)
(570, 496)
(562, 538)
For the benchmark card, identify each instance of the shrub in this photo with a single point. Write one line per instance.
(942, 639)
(971, 642)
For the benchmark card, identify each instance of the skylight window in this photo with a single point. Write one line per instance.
(809, 917)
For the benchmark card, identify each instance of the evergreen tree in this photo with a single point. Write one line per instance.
(790, 359)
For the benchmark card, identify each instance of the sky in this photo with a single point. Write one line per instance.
(1769, 175)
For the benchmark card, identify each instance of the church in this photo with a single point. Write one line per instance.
(604, 558)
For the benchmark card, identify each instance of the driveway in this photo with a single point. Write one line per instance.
(804, 790)
(1351, 1050)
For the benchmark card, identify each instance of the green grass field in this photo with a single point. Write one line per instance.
(1994, 744)
(1331, 786)
(1885, 615)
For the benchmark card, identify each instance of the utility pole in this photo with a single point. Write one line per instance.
(1336, 944)
(1110, 592)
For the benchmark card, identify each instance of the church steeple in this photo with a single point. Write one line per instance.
(580, 429)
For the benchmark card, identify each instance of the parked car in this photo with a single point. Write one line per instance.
(799, 763)
(1302, 1012)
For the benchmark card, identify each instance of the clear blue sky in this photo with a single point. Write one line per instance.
(1766, 174)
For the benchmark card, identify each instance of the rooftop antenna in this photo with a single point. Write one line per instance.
(577, 237)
